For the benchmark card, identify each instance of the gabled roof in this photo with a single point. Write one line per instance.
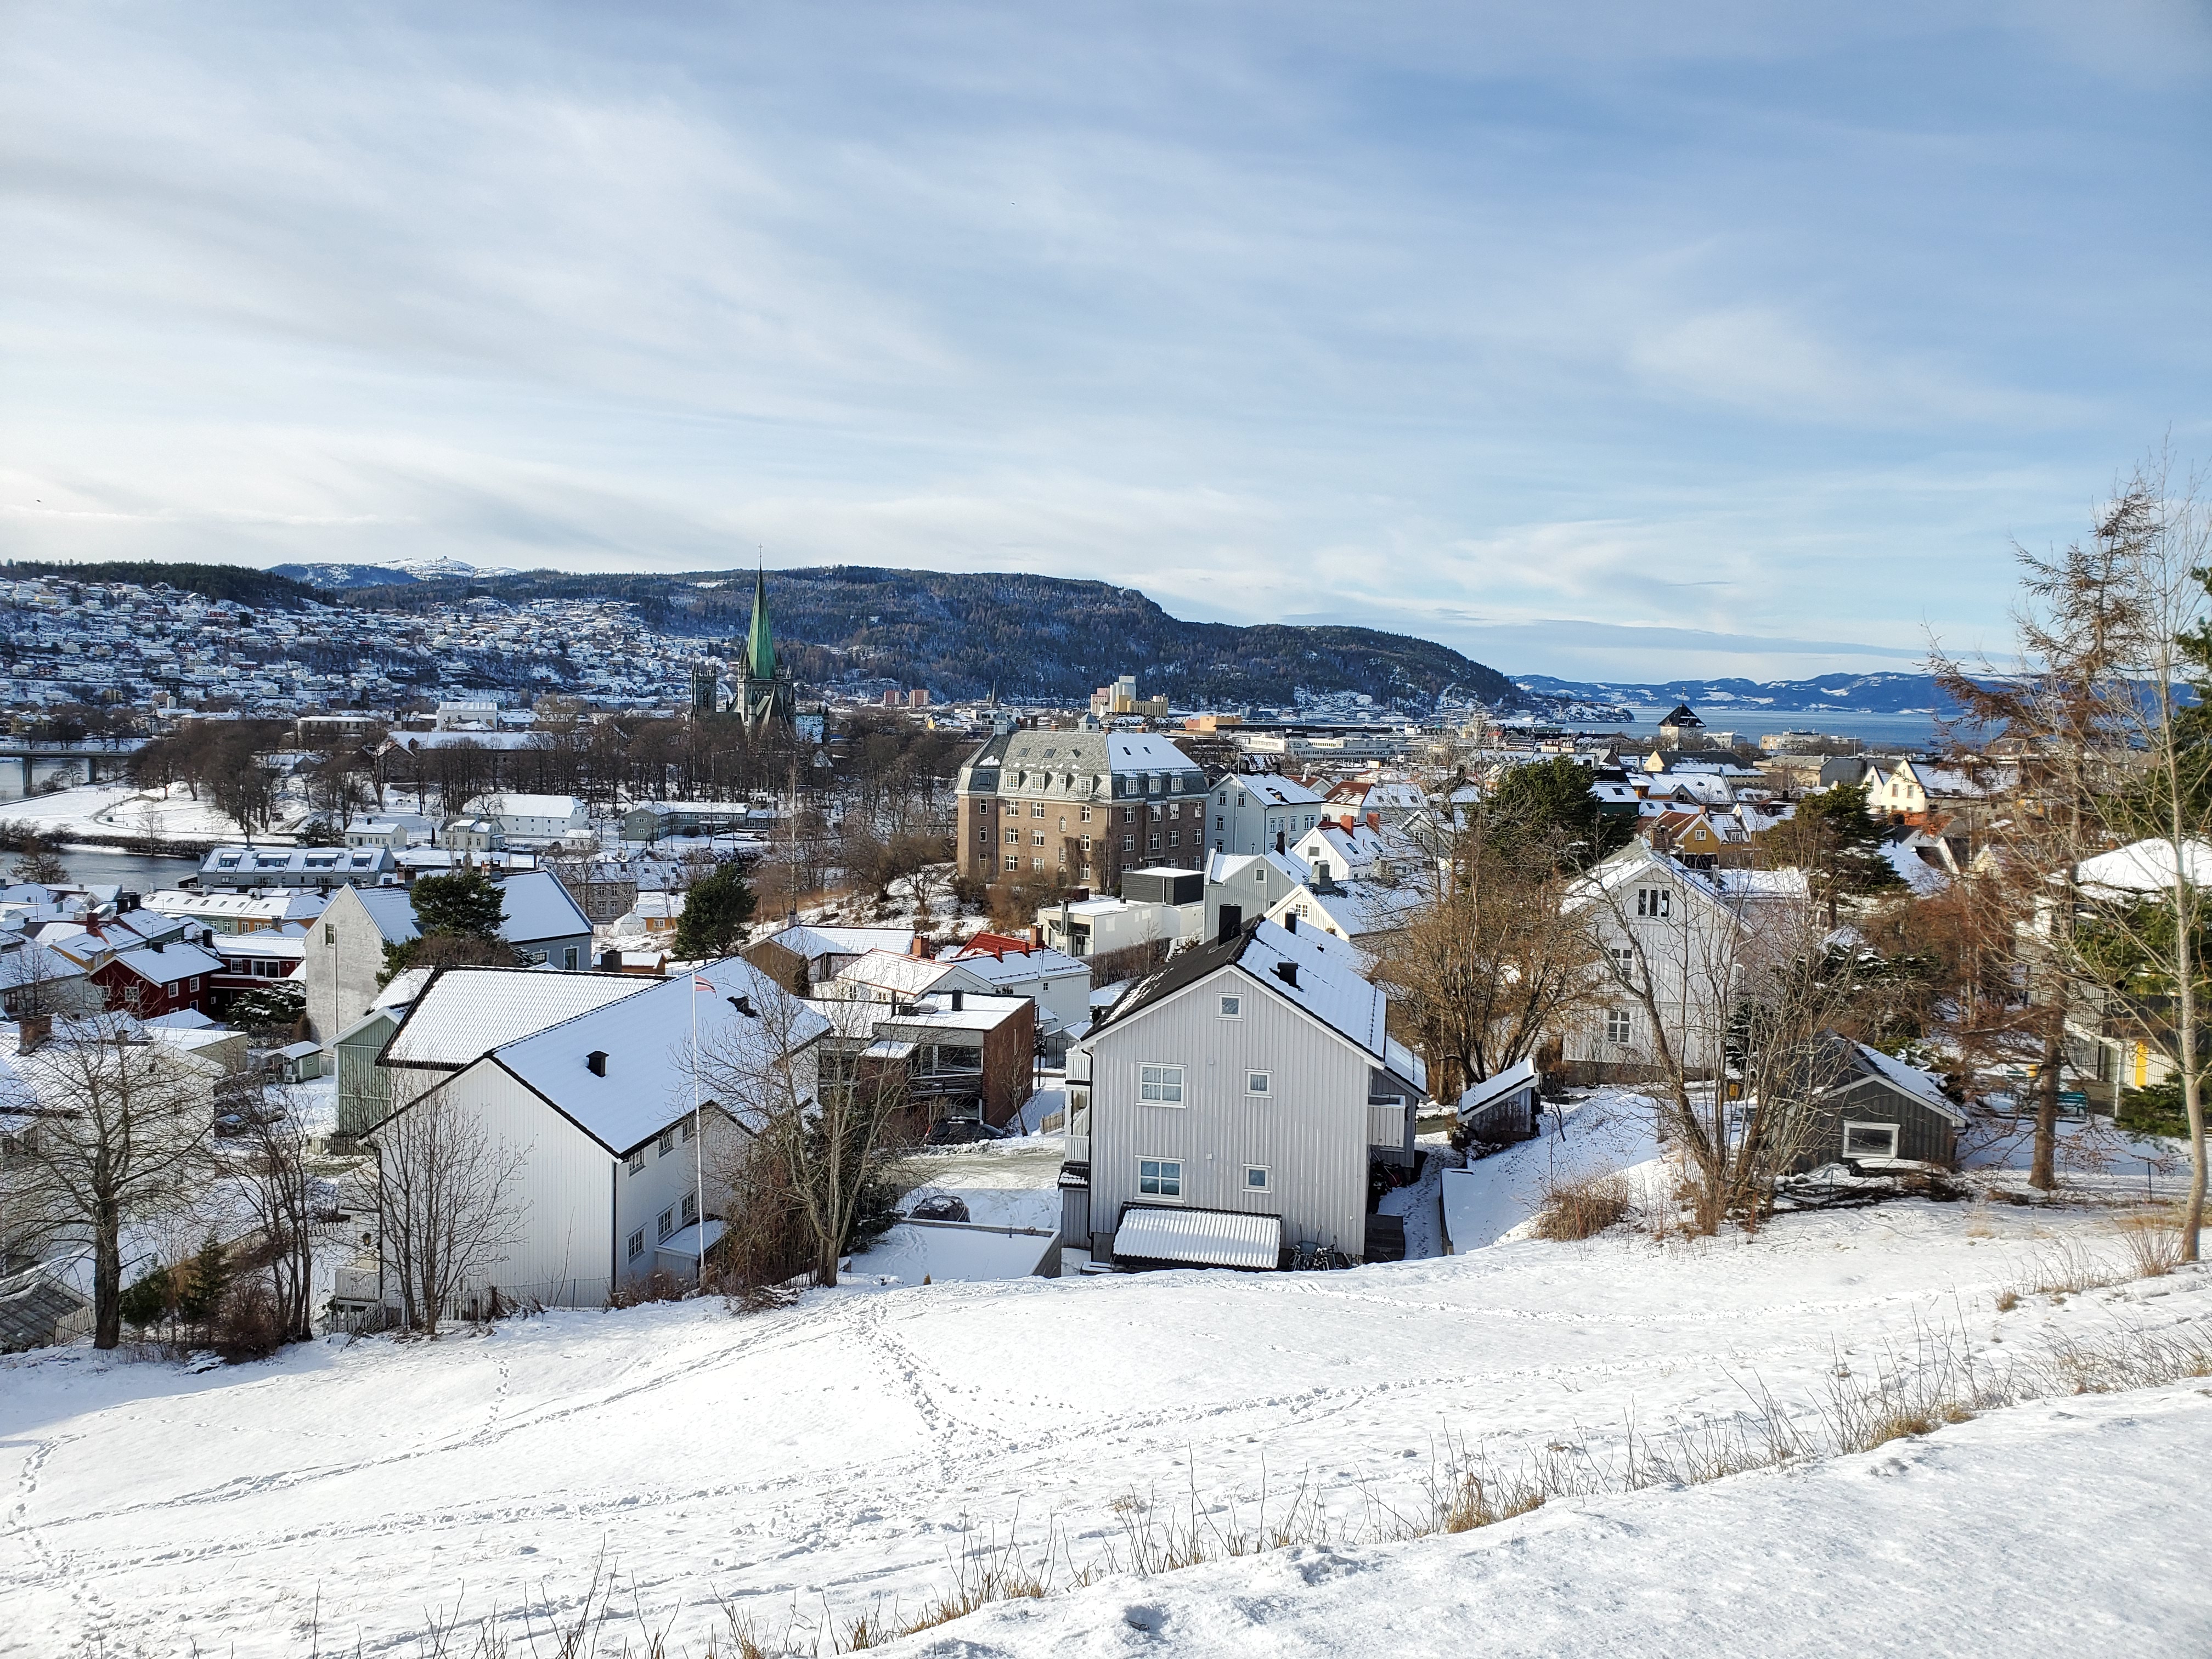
(1906, 1080)
(1273, 789)
(1228, 866)
(175, 961)
(647, 1040)
(1330, 988)
(534, 906)
(464, 1013)
(1514, 1079)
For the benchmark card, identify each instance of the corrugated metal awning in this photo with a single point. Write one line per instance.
(1212, 1238)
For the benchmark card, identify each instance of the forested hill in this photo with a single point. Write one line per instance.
(1039, 637)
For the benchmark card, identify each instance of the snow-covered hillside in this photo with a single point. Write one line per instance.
(838, 1454)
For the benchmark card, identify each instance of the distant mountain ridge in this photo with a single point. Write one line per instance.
(1856, 694)
(1027, 637)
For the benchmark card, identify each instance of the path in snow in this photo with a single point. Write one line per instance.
(833, 1449)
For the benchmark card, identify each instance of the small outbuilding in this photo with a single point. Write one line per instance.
(1502, 1107)
(1873, 1109)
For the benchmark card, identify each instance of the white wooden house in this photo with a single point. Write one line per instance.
(1249, 1085)
(587, 1078)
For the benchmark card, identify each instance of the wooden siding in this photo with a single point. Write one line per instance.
(564, 1245)
(1310, 1132)
(1922, 1133)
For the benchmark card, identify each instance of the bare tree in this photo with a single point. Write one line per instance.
(1493, 972)
(2102, 746)
(107, 1131)
(273, 1184)
(448, 1203)
(1731, 980)
(827, 1123)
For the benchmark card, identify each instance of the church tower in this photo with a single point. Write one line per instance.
(764, 691)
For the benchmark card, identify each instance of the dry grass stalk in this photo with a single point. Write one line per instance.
(2153, 1243)
(1579, 1207)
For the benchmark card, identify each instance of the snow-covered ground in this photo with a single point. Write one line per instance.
(108, 810)
(834, 1454)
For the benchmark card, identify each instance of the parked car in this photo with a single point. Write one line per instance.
(940, 1206)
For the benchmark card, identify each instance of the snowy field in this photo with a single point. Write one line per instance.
(107, 810)
(834, 1456)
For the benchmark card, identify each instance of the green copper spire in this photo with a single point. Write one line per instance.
(760, 644)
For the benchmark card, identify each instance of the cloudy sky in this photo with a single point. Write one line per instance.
(1627, 339)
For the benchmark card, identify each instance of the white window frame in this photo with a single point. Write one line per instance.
(637, 1162)
(1160, 1177)
(1160, 1083)
(667, 1142)
(1265, 1183)
(1619, 1027)
(1892, 1130)
(637, 1245)
(1230, 1004)
(1265, 1082)
(666, 1224)
(1655, 902)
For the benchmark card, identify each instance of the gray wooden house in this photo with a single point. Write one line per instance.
(1248, 1086)
(1870, 1109)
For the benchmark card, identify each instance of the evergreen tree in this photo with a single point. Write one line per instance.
(204, 1280)
(467, 903)
(716, 908)
(1549, 806)
(1836, 841)
(459, 916)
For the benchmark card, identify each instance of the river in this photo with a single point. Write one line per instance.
(138, 873)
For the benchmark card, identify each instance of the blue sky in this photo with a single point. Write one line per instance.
(1614, 340)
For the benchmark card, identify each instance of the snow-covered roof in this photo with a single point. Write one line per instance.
(1273, 789)
(1911, 1080)
(1330, 986)
(813, 942)
(530, 806)
(1215, 1238)
(2147, 866)
(1144, 751)
(976, 1013)
(534, 905)
(646, 1039)
(1014, 968)
(174, 962)
(1228, 866)
(405, 987)
(890, 970)
(392, 910)
(465, 1013)
(1514, 1079)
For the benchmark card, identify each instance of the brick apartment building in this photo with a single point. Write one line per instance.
(1079, 807)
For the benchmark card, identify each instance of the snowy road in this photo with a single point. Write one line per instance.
(830, 1450)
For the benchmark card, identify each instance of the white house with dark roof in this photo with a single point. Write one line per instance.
(1249, 1085)
(586, 1078)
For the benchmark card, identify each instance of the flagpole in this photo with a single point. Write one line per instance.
(698, 1137)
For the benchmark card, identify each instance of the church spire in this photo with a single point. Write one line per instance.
(760, 644)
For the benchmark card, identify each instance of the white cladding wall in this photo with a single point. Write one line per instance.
(664, 1179)
(1694, 954)
(341, 976)
(564, 1238)
(1310, 1132)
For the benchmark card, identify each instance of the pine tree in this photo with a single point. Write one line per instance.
(716, 908)
(467, 903)
(1835, 839)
